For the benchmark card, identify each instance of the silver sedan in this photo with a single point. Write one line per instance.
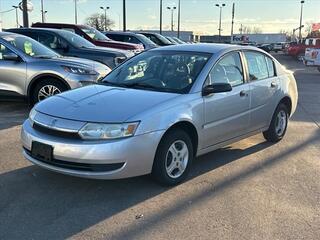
(159, 110)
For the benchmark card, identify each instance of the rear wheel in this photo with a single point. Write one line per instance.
(173, 158)
(47, 88)
(278, 126)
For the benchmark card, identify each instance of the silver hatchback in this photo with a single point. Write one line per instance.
(30, 70)
(159, 110)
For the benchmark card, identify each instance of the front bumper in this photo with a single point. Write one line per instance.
(136, 154)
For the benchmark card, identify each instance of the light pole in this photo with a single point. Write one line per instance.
(179, 18)
(218, 5)
(45, 16)
(300, 35)
(25, 13)
(172, 14)
(42, 12)
(17, 20)
(105, 16)
(160, 16)
(124, 16)
(75, 12)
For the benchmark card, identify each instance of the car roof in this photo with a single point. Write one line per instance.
(58, 24)
(205, 47)
(36, 29)
(122, 33)
(5, 34)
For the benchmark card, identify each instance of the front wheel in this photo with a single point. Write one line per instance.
(278, 126)
(173, 158)
(45, 89)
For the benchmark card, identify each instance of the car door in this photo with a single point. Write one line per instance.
(264, 86)
(226, 114)
(12, 73)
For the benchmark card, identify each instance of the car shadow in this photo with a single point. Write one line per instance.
(61, 206)
(12, 114)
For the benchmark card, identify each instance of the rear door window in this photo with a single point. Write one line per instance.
(257, 66)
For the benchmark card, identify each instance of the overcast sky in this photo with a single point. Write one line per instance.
(200, 16)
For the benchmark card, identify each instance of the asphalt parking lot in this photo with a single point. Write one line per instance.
(249, 190)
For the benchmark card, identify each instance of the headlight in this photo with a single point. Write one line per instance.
(32, 115)
(79, 71)
(96, 131)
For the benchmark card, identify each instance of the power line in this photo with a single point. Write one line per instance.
(7, 11)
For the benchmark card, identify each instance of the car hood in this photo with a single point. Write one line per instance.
(105, 50)
(128, 46)
(103, 104)
(80, 62)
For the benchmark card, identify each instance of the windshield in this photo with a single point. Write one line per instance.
(75, 40)
(167, 71)
(94, 34)
(30, 46)
(163, 39)
(145, 39)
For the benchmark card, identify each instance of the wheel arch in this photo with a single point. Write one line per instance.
(187, 127)
(44, 76)
(287, 102)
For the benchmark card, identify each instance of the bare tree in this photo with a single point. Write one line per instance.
(256, 30)
(99, 22)
(246, 30)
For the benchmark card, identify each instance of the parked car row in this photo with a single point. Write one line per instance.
(57, 57)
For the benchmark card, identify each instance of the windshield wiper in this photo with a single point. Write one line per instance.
(44, 56)
(140, 85)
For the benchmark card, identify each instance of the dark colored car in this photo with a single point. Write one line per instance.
(172, 40)
(178, 40)
(92, 35)
(157, 38)
(131, 37)
(265, 47)
(69, 44)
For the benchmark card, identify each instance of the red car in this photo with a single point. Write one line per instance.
(298, 50)
(92, 35)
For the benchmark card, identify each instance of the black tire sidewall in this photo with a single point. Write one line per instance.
(50, 81)
(159, 172)
(271, 134)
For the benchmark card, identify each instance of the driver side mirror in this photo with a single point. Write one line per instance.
(216, 88)
(11, 57)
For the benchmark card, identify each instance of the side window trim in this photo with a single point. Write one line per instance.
(223, 56)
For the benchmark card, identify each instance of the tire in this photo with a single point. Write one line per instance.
(319, 69)
(165, 158)
(51, 85)
(277, 129)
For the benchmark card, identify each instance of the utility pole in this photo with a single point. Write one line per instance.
(300, 35)
(17, 19)
(75, 12)
(160, 16)
(232, 21)
(42, 12)
(124, 16)
(179, 16)
(25, 13)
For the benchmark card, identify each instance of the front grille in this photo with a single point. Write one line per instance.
(56, 133)
(79, 166)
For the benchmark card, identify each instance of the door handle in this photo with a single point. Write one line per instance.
(243, 93)
(273, 84)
